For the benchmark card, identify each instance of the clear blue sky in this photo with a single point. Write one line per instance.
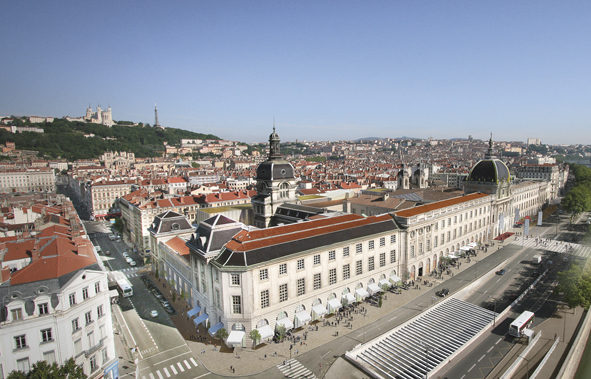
(326, 70)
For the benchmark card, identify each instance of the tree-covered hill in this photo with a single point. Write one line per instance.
(66, 139)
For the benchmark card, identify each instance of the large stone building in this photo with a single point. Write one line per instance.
(27, 180)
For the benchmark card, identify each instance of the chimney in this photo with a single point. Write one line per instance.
(36, 253)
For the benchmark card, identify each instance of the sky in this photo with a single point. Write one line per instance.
(323, 70)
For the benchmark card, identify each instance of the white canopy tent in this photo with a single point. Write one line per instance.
(395, 279)
(265, 332)
(350, 298)
(373, 288)
(362, 293)
(383, 282)
(319, 310)
(236, 337)
(301, 318)
(286, 323)
(334, 305)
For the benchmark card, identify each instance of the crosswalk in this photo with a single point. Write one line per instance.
(554, 246)
(294, 369)
(172, 369)
(130, 272)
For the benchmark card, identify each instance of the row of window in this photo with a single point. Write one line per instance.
(332, 278)
(85, 293)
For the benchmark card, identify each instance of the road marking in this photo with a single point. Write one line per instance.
(180, 366)
(481, 358)
(500, 339)
(325, 354)
(173, 369)
(463, 376)
(152, 376)
(193, 361)
(201, 376)
(392, 318)
(498, 280)
(166, 372)
(474, 365)
(187, 364)
(488, 351)
(159, 374)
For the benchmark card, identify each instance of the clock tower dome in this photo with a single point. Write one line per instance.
(276, 184)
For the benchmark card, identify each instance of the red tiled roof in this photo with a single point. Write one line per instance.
(178, 245)
(440, 204)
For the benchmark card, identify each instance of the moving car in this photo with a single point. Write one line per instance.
(154, 313)
(444, 292)
(501, 272)
(107, 252)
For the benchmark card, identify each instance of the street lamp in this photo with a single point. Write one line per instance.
(494, 310)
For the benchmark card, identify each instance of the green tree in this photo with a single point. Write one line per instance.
(194, 164)
(280, 331)
(255, 336)
(380, 301)
(43, 370)
(118, 225)
(222, 334)
(577, 200)
(576, 286)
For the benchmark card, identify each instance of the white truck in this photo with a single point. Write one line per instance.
(537, 259)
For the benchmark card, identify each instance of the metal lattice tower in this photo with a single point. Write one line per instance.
(156, 116)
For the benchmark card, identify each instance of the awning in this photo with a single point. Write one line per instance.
(235, 337)
(334, 304)
(319, 310)
(113, 293)
(214, 329)
(452, 256)
(200, 319)
(472, 244)
(303, 316)
(194, 311)
(395, 279)
(373, 288)
(362, 293)
(285, 322)
(265, 332)
(350, 298)
(383, 282)
(465, 248)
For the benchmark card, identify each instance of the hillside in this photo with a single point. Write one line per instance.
(66, 139)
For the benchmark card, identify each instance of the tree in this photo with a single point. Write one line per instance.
(576, 286)
(280, 330)
(43, 370)
(577, 200)
(118, 225)
(254, 336)
(222, 334)
(184, 295)
(380, 301)
(194, 164)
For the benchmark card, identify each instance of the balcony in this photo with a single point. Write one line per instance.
(93, 349)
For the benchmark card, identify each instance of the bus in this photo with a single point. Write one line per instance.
(125, 287)
(521, 323)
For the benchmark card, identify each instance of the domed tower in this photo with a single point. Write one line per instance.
(491, 176)
(276, 184)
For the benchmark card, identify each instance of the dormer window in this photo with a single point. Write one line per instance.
(17, 314)
(43, 309)
(176, 226)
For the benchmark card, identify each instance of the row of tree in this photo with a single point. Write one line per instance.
(578, 199)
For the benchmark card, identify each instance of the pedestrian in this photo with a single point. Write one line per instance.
(265, 356)
(233, 370)
(231, 367)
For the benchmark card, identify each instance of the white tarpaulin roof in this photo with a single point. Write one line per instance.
(362, 293)
(472, 244)
(265, 332)
(303, 316)
(350, 298)
(452, 256)
(335, 304)
(384, 281)
(465, 248)
(286, 323)
(373, 288)
(395, 279)
(235, 337)
(320, 310)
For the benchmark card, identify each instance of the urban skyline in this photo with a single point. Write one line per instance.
(327, 71)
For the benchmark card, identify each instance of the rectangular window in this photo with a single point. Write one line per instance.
(382, 259)
(300, 264)
(346, 272)
(264, 299)
(455, 220)
(370, 263)
(301, 285)
(235, 279)
(88, 317)
(420, 248)
(99, 311)
(449, 221)
(455, 234)
(97, 287)
(392, 256)
(283, 269)
(43, 309)
(412, 251)
(382, 241)
(20, 341)
(393, 238)
(443, 224)
(217, 298)
(93, 365)
(17, 314)
(72, 299)
(435, 242)
(49, 357)
(317, 281)
(345, 251)
(370, 245)
(332, 255)
(332, 276)
(428, 245)
(46, 335)
(449, 236)
(236, 304)
(216, 275)
(105, 356)
(23, 365)
(264, 274)
(359, 267)
(316, 259)
(75, 325)
(358, 248)
(283, 292)
(102, 333)
(84, 293)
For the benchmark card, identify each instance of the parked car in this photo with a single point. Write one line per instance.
(501, 272)
(107, 252)
(132, 263)
(444, 292)
(128, 260)
(154, 313)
